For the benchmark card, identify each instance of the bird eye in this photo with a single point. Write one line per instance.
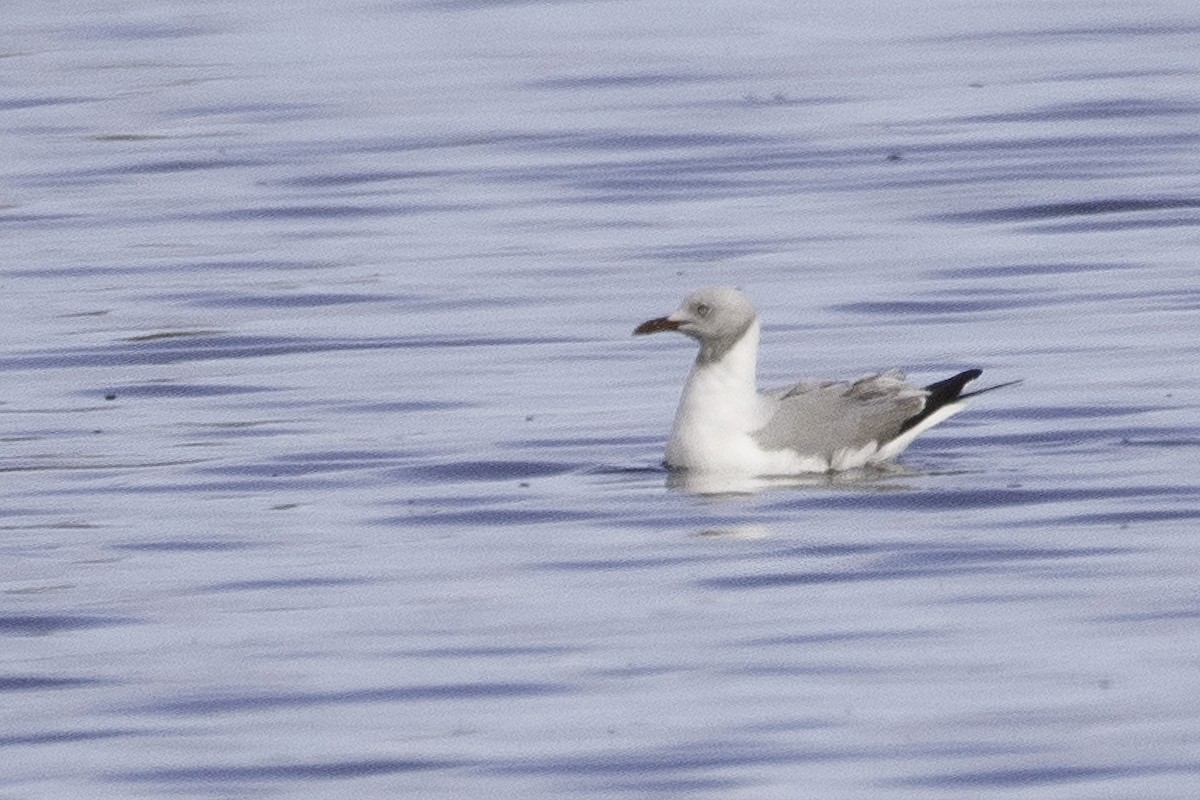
(703, 310)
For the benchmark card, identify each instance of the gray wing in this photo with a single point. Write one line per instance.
(823, 418)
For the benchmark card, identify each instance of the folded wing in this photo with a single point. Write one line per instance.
(831, 417)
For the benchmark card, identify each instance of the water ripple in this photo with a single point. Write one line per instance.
(24, 683)
(47, 624)
(1078, 208)
(313, 770)
(913, 562)
(488, 517)
(267, 584)
(1122, 108)
(205, 348)
(222, 703)
(628, 80)
(1021, 777)
(483, 471)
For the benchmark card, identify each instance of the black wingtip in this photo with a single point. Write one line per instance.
(948, 390)
(942, 393)
(990, 389)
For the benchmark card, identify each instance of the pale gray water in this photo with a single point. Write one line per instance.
(330, 465)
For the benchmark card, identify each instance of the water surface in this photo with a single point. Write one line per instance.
(331, 466)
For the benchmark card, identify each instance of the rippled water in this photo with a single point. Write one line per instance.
(331, 468)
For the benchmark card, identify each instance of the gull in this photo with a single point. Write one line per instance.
(724, 424)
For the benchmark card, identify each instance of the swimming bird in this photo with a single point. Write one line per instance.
(725, 424)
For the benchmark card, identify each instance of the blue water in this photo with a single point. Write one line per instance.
(331, 468)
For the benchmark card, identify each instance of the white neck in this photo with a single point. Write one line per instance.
(738, 366)
(720, 403)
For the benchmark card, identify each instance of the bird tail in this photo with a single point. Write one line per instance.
(948, 392)
(986, 389)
